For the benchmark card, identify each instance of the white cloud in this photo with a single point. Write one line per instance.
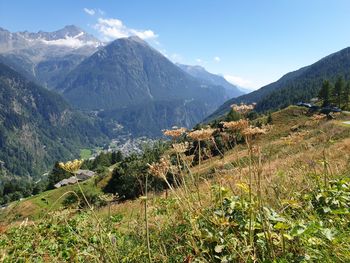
(217, 59)
(72, 42)
(238, 81)
(112, 28)
(198, 60)
(90, 12)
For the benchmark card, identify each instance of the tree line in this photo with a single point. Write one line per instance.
(335, 94)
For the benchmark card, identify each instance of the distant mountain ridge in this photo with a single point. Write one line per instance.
(299, 85)
(70, 36)
(46, 57)
(209, 78)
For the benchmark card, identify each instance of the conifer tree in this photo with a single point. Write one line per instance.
(338, 90)
(325, 92)
(346, 95)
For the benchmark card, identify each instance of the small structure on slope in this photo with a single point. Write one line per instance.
(81, 175)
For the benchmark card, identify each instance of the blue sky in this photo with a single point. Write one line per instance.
(252, 43)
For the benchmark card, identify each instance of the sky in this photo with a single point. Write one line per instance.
(250, 42)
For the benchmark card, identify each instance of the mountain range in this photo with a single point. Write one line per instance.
(46, 57)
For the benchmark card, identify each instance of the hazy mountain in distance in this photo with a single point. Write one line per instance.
(212, 79)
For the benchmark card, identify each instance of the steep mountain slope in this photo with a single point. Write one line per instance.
(208, 78)
(302, 84)
(46, 57)
(37, 127)
(128, 73)
(149, 118)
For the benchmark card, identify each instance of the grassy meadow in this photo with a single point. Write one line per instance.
(281, 194)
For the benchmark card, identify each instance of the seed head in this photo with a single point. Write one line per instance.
(251, 131)
(236, 125)
(201, 135)
(181, 147)
(159, 169)
(71, 166)
(243, 108)
(175, 133)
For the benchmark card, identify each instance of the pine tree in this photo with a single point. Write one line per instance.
(338, 90)
(325, 92)
(346, 95)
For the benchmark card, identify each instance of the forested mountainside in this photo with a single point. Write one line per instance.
(295, 86)
(38, 127)
(148, 119)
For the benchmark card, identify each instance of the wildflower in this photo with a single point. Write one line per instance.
(243, 108)
(175, 133)
(251, 131)
(71, 166)
(181, 147)
(159, 169)
(235, 125)
(201, 135)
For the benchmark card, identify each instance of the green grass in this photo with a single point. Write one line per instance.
(85, 154)
(40, 205)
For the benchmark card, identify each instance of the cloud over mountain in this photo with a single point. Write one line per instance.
(112, 28)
